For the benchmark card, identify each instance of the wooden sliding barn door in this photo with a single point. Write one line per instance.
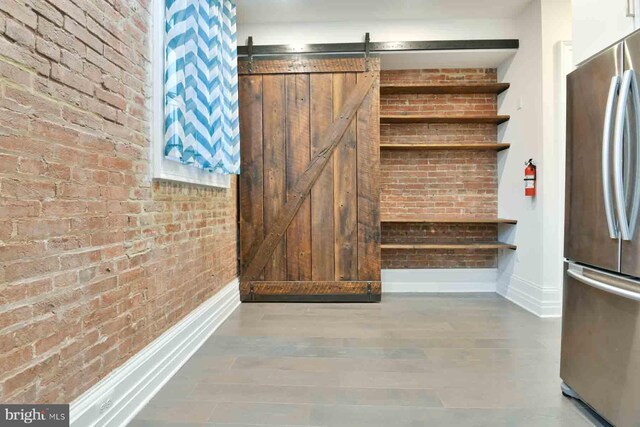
(309, 191)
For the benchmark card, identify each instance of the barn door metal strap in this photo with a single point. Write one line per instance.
(303, 185)
(347, 291)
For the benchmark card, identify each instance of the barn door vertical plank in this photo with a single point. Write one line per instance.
(322, 258)
(345, 188)
(299, 193)
(251, 186)
(298, 155)
(275, 186)
(368, 148)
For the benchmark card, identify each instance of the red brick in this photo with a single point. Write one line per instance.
(12, 316)
(19, 11)
(116, 163)
(80, 237)
(104, 35)
(30, 268)
(75, 347)
(8, 163)
(15, 251)
(105, 65)
(60, 37)
(15, 74)
(47, 11)
(40, 229)
(48, 49)
(20, 33)
(76, 191)
(80, 117)
(113, 85)
(72, 60)
(432, 183)
(14, 359)
(20, 380)
(83, 35)
(92, 72)
(20, 291)
(45, 344)
(72, 79)
(110, 98)
(25, 189)
(27, 58)
(68, 8)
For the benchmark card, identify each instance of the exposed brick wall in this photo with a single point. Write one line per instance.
(432, 183)
(441, 105)
(438, 233)
(428, 183)
(438, 258)
(440, 133)
(440, 76)
(95, 260)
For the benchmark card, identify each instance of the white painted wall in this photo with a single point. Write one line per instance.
(556, 28)
(528, 276)
(381, 31)
(272, 11)
(435, 280)
(520, 271)
(394, 30)
(598, 24)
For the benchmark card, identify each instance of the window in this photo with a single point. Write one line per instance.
(194, 136)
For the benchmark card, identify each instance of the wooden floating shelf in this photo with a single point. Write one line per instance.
(471, 245)
(407, 118)
(406, 89)
(453, 146)
(449, 220)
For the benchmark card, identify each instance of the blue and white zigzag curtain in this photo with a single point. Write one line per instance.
(201, 85)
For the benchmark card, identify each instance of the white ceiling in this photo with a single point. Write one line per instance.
(279, 11)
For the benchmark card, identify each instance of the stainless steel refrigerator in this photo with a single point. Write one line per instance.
(600, 361)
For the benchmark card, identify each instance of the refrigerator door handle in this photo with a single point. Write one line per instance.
(603, 286)
(628, 79)
(635, 203)
(631, 9)
(606, 157)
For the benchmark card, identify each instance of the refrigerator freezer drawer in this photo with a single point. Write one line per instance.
(601, 342)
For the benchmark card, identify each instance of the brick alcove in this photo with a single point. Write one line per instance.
(443, 184)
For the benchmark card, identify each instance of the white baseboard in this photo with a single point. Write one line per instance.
(116, 399)
(541, 301)
(439, 280)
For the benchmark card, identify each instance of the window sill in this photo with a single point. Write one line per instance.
(173, 171)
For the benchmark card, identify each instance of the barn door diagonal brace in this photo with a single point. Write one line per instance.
(330, 140)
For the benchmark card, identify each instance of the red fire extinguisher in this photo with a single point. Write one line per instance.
(530, 178)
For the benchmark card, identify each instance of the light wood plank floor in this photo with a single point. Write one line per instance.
(412, 360)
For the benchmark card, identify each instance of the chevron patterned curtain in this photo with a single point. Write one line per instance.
(201, 85)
